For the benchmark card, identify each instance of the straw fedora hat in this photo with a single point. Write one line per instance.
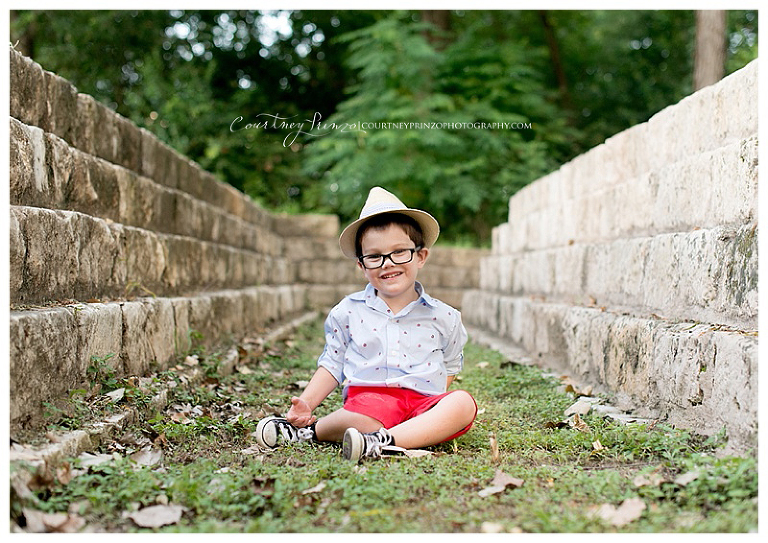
(380, 201)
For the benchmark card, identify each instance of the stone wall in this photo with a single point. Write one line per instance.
(121, 246)
(634, 267)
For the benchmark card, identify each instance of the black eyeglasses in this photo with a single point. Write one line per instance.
(400, 256)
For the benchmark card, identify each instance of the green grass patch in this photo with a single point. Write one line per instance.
(210, 468)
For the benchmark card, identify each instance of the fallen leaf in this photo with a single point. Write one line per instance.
(578, 424)
(685, 478)
(147, 457)
(651, 479)
(579, 408)
(88, 460)
(40, 522)
(491, 490)
(64, 473)
(630, 510)
(116, 395)
(597, 446)
(191, 360)
(244, 370)
(502, 479)
(254, 449)
(491, 528)
(394, 451)
(556, 425)
(317, 488)
(483, 364)
(157, 515)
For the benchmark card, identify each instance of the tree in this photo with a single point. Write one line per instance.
(710, 53)
(425, 108)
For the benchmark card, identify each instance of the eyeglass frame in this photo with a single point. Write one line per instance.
(384, 257)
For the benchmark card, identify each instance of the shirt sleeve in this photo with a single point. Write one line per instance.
(454, 348)
(336, 342)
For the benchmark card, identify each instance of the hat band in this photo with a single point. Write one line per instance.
(381, 208)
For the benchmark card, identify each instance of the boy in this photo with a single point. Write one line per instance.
(395, 348)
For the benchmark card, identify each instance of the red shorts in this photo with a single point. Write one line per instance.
(391, 406)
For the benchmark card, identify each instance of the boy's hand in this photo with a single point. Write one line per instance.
(300, 414)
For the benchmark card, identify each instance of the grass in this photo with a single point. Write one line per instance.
(210, 468)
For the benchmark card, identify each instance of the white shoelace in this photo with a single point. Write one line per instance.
(375, 441)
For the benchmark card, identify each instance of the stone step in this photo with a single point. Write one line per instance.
(51, 348)
(680, 371)
(42, 99)
(58, 446)
(47, 172)
(59, 255)
(706, 275)
(717, 187)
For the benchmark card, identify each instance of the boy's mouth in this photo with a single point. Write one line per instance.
(390, 275)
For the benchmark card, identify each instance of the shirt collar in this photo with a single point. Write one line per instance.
(369, 294)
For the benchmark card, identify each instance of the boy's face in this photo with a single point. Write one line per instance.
(394, 282)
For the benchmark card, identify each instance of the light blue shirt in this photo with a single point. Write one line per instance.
(367, 345)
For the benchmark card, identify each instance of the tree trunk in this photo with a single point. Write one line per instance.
(557, 65)
(442, 20)
(709, 56)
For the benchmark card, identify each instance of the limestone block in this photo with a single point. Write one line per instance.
(60, 115)
(183, 340)
(27, 89)
(28, 173)
(43, 361)
(49, 262)
(17, 250)
(320, 271)
(100, 334)
(166, 164)
(307, 225)
(143, 259)
(84, 133)
(62, 163)
(306, 247)
(148, 334)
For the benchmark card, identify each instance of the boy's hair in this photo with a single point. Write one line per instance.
(382, 221)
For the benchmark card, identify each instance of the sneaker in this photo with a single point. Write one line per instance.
(357, 445)
(271, 429)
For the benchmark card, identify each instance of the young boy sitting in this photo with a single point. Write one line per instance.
(395, 348)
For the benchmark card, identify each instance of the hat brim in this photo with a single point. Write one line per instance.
(429, 228)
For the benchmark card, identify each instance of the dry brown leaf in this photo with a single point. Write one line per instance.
(630, 510)
(157, 515)
(491, 490)
(577, 424)
(597, 446)
(147, 457)
(579, 408)
(685, 478)
(317, 488)
(40, 522)
(652, 479)
(502, 479)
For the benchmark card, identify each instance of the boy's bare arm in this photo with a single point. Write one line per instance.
(319, 387)
(449, 381)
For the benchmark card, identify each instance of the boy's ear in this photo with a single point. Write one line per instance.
(423, 254)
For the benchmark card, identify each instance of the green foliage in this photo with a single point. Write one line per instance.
(463, 176)
(187, 75)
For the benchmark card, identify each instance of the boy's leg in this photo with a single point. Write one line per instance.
(446, 418)
(332, 427)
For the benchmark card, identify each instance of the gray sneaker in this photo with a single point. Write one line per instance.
(357, 445)
(271, 429)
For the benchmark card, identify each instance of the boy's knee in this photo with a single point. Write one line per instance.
(466, 402)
